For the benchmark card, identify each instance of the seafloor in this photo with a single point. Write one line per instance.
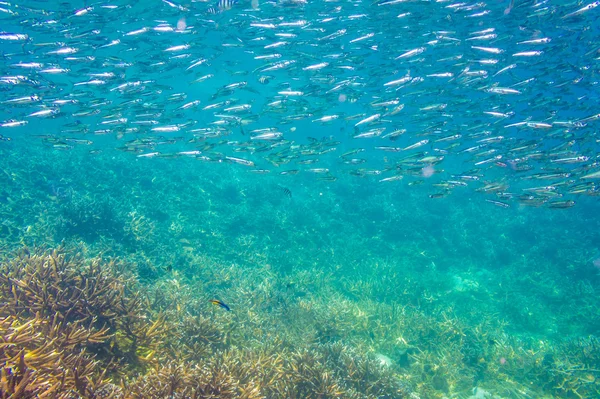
(109, 266)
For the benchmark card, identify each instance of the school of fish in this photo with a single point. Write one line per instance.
(497, 96)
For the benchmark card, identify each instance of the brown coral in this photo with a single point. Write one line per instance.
(63, 324)
(71, 328)
(43, 358)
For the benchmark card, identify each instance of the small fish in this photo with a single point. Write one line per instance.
(392, 178)
(593, 175)
(239, 161)
(222, 5)
(369, 119)
(499, 204)
(268, 136)
(286, 191)
(220, 303)
(411, 53)
(561, 204)
(438, 195)
(12, 123)
(582, 10)
(13, 36)
(503, 90)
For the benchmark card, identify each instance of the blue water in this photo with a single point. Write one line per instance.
(514, 269)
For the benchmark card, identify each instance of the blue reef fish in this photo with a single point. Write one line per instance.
(220, 303)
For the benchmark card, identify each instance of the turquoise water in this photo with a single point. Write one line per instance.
(413, 179)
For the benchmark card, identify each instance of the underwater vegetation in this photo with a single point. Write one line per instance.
(74, 328)
(77, 327)
(67, 324)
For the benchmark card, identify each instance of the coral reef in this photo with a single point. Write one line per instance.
(67, 323)
(329, 371)
(48, 358)
(74, 328)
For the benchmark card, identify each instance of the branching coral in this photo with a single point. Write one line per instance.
(328, 371)
(175, 380)
(71, 327)
(199, 336)
(42, 358)
(91, 218)
(66, 287)
(574, 368)
(65, 323)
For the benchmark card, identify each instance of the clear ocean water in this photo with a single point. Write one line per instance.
(414, 180)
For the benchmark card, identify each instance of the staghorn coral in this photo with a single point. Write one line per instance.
(139, 227)
(55, 284)
(98, 332)
(310, 378)
(43, 358)
(330, 371)
(200, 336)
(91, 218)
(572, 369)
(174, 380)
(66, 323)
(93, 293)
